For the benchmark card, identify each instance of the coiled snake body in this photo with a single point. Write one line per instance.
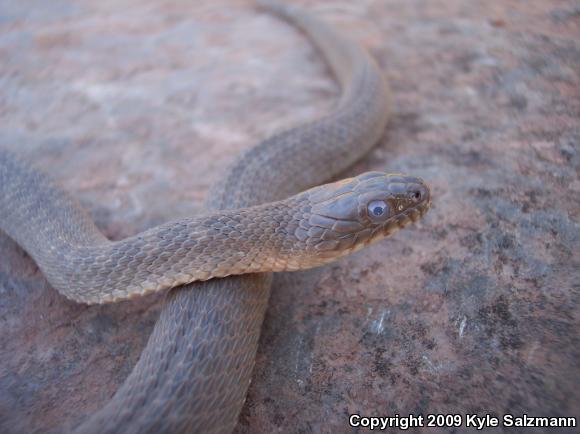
(194, 372)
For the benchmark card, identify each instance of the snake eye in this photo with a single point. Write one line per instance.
(378, 209)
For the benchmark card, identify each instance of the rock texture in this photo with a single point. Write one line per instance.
(137, 106)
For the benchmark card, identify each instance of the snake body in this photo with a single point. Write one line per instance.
(194, 372)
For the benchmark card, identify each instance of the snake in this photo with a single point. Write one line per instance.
(271, 212)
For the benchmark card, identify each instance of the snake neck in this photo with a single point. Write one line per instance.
(248, 240)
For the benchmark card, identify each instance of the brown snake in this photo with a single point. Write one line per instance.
(193, 374)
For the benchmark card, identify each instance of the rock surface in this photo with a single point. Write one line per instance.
(136, 107)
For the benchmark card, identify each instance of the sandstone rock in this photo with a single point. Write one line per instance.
(136, 107)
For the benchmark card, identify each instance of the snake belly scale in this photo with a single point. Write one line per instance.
(194, 372)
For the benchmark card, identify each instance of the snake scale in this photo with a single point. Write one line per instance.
(264, 216)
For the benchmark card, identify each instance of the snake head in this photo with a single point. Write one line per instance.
(347, 215)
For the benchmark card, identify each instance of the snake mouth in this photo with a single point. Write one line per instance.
(414, 214)
(411, 215)
(407, 217)
(397, 222)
